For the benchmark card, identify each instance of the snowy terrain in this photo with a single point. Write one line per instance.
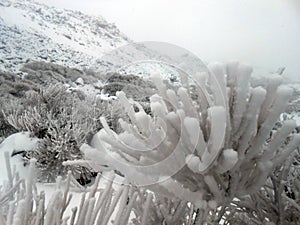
(33, 31)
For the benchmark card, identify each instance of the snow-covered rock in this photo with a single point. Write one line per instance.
(15, 145)
(79, 81)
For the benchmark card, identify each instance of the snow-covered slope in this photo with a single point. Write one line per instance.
(33, 31)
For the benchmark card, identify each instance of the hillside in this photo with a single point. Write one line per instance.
(31, 31)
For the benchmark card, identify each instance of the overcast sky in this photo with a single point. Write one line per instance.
(263, 33)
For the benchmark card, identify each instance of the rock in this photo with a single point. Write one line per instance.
(79, 81)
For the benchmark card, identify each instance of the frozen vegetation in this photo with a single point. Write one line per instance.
(81, 145)
(214, 148)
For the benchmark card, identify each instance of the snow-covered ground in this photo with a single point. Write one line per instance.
(33, 31)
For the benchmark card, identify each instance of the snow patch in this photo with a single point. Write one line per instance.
(13, 144)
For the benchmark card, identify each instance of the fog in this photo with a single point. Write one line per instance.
(264, 34)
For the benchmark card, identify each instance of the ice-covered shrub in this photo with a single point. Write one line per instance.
(5, 128)
(45, 73)
(276, 202)
(63, 121)
(135, 87)
(206, 149)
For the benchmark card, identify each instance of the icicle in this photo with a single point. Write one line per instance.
(143, 122)
(94, 187)
(294, 143)
(232, 73)
(74, 212)
(195, 135)
(287, 127)
(172, 98)
(29, 194)
(282, 96)
(178, 213)
(113, 205)
(8, 169)
(258, 177)
(184, 79)
(188, 106)
(196, 140)
(174, 119)
(102, 197)
(179, 191)
(106, 127)
(216, 90)
(193, 162)
(274, 83)
(65, 221)
(213, 187)
(2, 219)
(219, 71)
(80, 219)
(146, 209)
(90, 208)
(204, 97)
(228, 159)
(161, 87)
(216, 140)
(10, 214)
(122, 205)
(240, 99)
(129, 208)
(248, 126)
(40, 211)
(20, 213)
(158, 108)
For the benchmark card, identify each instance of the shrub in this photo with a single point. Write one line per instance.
(206, 149)
(63, 122)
